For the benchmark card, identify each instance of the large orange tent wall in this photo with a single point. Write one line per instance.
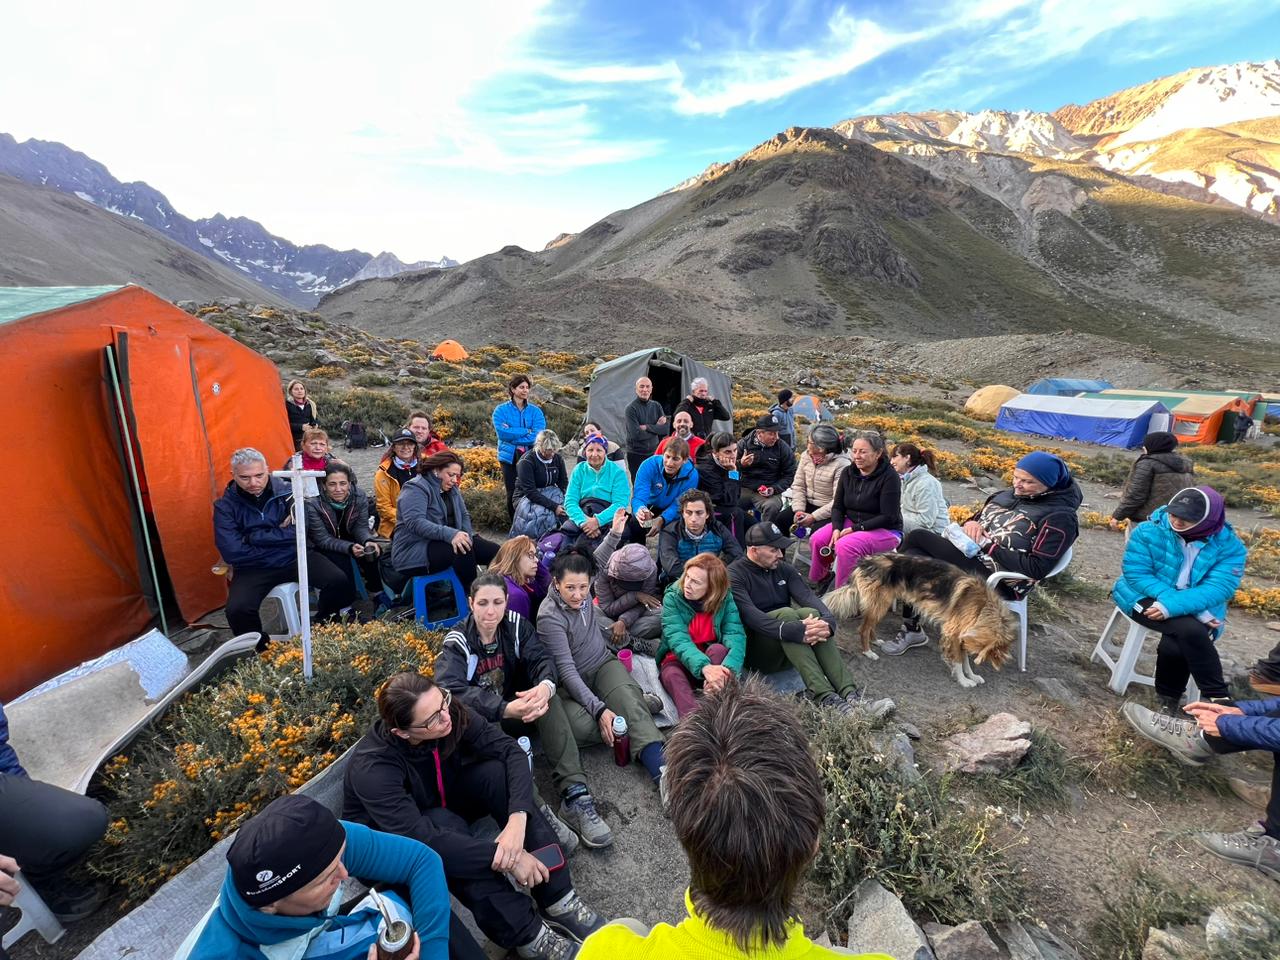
(76, 581)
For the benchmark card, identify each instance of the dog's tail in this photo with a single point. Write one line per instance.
(844, 602)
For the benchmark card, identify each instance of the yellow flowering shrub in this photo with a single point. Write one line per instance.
(224, 751)
(326, 373)
(1264, 601)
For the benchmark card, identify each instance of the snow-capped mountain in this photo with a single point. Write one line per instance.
(388, 264)
(300, 274)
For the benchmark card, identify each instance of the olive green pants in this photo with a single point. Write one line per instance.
(621, 694)
(821, 666)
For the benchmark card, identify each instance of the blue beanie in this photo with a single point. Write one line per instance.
(1045, 467)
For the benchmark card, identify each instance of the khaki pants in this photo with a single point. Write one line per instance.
(621, 694)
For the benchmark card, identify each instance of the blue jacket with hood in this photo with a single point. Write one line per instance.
(1258, 728)
(249, 534)
(653, 489)
(516, 428)
(1154, 558)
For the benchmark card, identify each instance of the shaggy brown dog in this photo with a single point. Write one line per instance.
(973, 618)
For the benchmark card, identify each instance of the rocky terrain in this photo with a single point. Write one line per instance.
(295, 273)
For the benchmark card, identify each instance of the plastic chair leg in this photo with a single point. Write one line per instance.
(35, 916)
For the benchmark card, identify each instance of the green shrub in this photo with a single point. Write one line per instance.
(1042, 779)
(942, 861)
(488, 509)
(375, 409)
(373, 380)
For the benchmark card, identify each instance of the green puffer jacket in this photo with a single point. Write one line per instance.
(677, 614)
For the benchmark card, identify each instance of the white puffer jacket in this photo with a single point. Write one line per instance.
(924, 505)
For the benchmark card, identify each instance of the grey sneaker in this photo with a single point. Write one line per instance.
(567, 839)
(1246, 848)
(873, 709)
(549, 944)
(1180, 737)
(833, 701)
(581, 816)
(903, 641)
(574, 917)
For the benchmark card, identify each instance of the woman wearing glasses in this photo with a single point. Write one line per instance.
(428, 769)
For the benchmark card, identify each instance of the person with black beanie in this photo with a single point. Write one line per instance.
(1154, 478)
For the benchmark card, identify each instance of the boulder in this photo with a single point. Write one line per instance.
(326, 358)
(898, 753)
(880, 923)
(1027, 941)
(969, 941)
(1241, 929)
(996, 745)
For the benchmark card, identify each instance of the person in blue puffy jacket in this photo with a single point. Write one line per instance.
(655, 497)
(517, 422)
(1179, 571)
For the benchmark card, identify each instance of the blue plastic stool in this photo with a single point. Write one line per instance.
(420, 599)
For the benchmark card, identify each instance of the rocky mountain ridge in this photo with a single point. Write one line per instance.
(300, 274)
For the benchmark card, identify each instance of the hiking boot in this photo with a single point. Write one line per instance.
(574, 917)
(1180, 737)
(653, 702)
(549, 944)
(567, 839)
(833, 701)
(581, 816)
(1172, 707)
(1245, 848)
(903, 641)
(645, 646)
(73, 903)
(871, 709)
(1264, 684)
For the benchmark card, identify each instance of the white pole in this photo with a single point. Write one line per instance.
(297, 477)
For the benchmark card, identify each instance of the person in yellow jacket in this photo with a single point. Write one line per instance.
(744, 873)
(397, 468)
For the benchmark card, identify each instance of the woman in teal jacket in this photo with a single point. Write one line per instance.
(598, 488)
(1180, 569)
(703, 641)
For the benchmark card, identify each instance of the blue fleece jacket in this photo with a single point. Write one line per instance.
(1258, 728)
(236, 930)
(653, 490)
(1154, 558)
(8, 758)
(516, 428)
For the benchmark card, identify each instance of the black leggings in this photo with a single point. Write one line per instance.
(46, 829)
(440, 556)
(926, 543)
(509, 481)
(1185, 650)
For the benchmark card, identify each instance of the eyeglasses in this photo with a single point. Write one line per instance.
(436, 718)
(532, 555)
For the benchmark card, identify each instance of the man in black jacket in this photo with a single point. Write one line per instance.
(703, 408)
(647, 424)
(767, 466)
(787, 624)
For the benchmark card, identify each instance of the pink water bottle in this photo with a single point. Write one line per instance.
(621, 742)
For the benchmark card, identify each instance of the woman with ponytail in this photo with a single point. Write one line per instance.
(924, 505)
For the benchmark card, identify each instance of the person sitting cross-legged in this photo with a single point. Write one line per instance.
(697, 531)
(742, 751)
(429, 768)
(703, 643)
(1218, 728)
(254, 533)
(768, 467)
(787, 624)
(598, 488)
(659, 482)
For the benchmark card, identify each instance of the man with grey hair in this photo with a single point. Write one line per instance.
(703, 408)
(647, 423)
(253, 528)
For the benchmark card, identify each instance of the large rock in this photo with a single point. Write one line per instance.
(1027, 941)
(1242, 930)
(1177, 943)
(996, 745)
(1055, 689)
(880, 924)
(969, 941)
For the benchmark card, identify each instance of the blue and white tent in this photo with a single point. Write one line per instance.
(1066, 387)
(1112, 423)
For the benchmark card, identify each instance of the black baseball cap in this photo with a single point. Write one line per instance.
(769, 422)
(767, 535)
(402, 436)
(283, 849)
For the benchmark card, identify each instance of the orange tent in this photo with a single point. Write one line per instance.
(450, 350)
(102, 385)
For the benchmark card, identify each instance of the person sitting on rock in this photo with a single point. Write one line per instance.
(626, 590)
(598, 489)
(767, 466)
(696, 531)
(398, 467)
(703, 408)
(718, 475)
(283, 891)
(1026, 529)
(420, 426)
(253, 530)
(787, 624)
(527, 578)
(342, 525)
(541, 482)
(813, 488)
(1179, 572)
(682, 427)
(659, 483)
(703, 643)
(745, 872)
(1154, 478)
(1218, 728)
(301, 410)
(786, 416)
(647, 423)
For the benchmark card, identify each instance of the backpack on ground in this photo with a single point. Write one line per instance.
(357, 436)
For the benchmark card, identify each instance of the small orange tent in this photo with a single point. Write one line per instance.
(450, 350)
(102, 385)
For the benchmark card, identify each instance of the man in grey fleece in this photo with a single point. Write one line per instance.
(647, 424)
(787, 624)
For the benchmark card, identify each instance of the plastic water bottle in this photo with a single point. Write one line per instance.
(621, 742)
(527, 747)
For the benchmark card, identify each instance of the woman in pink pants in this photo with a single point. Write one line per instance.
(866, 514)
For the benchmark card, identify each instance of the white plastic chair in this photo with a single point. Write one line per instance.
(287, 595)
(1122, 660)
(35, 916)
(1019, 607)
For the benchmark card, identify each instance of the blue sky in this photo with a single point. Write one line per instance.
(434, 128)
